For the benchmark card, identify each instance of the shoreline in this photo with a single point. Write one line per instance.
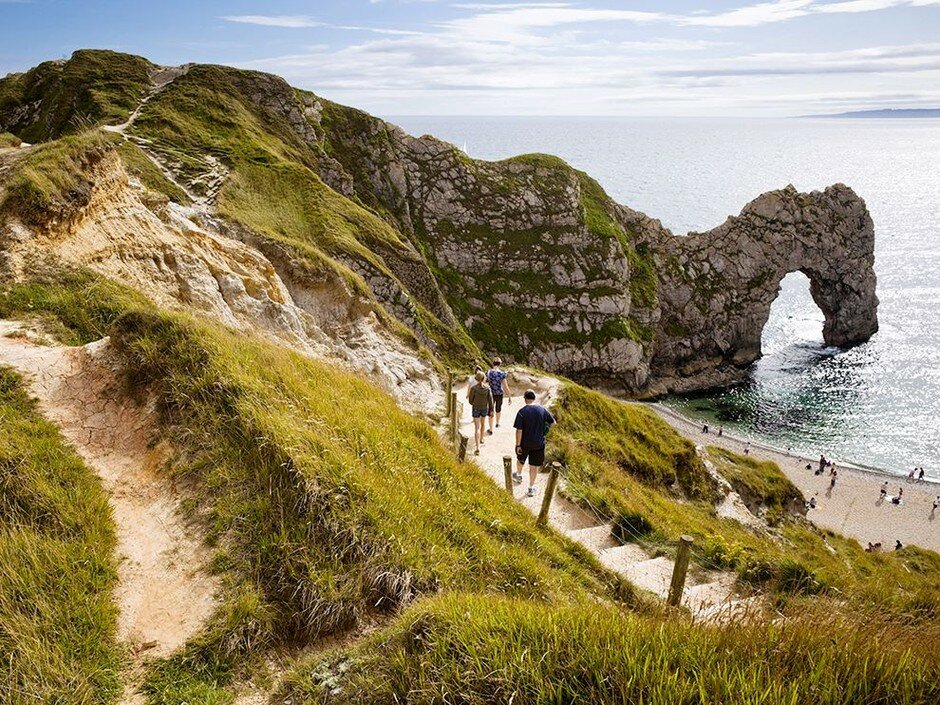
(853, 507)
(666, 410)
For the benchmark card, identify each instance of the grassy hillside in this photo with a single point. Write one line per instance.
(472, 650)
(626, 464)
(325, 502)
(57, 620)
(91, 88)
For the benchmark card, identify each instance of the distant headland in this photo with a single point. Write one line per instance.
(884, 113)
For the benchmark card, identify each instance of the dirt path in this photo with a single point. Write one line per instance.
(709, 595)
(164, 592)
(853, 507)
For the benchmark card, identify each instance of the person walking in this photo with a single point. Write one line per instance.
(499, 386)
(920, 475)
(747, 448)
(532, 423)
(481, 404)
(884, 490)
(832, 480)
(822, 464)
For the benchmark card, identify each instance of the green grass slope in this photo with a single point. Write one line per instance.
(57, 620)
(474, 651)
(91, 88)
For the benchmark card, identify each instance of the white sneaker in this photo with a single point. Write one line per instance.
(531, 492)
(517, 478)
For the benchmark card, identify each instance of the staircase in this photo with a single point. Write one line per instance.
(710, 598)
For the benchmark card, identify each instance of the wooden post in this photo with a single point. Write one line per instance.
(507, 469)
(462, 448)
(549, 493)
(448, 390)
(679, 571)
(453, 417)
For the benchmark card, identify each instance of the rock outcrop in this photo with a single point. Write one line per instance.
(528, 256)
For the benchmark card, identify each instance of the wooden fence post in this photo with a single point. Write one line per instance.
(462, 449)
(507, 469)
(448, 390)
(549, 493)
(679, 571)
(453, 417)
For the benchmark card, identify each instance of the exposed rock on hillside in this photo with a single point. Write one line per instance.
(527, 255)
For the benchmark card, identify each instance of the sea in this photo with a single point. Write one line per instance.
(876, 405)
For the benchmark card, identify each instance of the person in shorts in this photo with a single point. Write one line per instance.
(499, 386)
(481, 404)
(532, 423)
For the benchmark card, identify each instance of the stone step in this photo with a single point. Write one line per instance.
(594, 538)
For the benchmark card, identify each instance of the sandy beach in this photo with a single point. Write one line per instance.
(853, 507)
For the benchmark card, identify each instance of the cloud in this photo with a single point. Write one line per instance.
(291, 21)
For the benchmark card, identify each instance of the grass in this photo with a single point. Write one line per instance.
(51, 182)
(626, 464)
(94, 87)
(140, 166)
(8, 140)
(760, 483)
(474, 650)
(57, 620)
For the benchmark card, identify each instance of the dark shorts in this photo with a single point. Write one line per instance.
(498, 403)
(535, 456)
(480, 413)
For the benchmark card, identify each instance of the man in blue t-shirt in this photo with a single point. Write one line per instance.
(499, 385)
(532, 422)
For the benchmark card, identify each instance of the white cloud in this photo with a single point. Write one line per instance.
(291, 21)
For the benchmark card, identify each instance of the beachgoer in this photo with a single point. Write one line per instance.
(499, 386)
(936, 503)
(871, 547)
(832, 481)
(898, 545)
(705, 428)
(910, 475)
(721, 430)
(747, 448)
(481, 403)
(884, 490)
(809, 466)
(812, 502)
(822, 464)
(920, 475)
(900, 491)
(532, 423)
(897, 500)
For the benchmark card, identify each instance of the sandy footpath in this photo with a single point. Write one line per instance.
(853, 507)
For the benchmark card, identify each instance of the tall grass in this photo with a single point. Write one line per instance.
(57, 621)
(475, 650)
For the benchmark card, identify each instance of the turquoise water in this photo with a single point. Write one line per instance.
(877, 404)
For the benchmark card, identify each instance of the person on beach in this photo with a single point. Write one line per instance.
(900, 491)
(721, 431)
(532, 423)
(747, 448)
(884, 490)
(822, 464)
(936, 503)
(920, 475)
(910, 475)
(481, 403)
(833, 476)
(812, 502)
(898, 545)
(705, 428)
(499, 386)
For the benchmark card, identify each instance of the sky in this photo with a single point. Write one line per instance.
(579, 57)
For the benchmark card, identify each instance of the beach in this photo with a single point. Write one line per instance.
(853, 508)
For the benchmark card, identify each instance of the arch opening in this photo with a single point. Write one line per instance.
(795, 318)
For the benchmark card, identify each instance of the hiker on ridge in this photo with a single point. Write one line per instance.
(499, 386)
(532, 423)
(481, 403)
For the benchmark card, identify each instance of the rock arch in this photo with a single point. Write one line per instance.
(717, 287)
